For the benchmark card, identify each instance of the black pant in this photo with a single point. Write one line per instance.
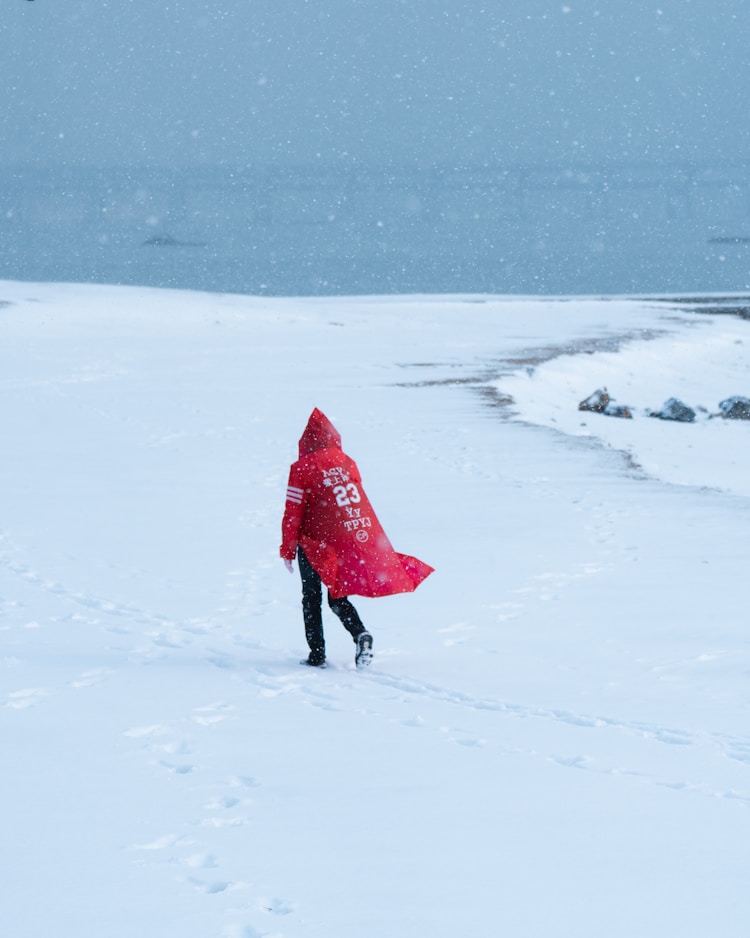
(312, 612)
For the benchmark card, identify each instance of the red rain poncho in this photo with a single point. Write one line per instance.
(329, 516)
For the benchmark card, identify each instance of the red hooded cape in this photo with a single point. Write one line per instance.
(329, 516)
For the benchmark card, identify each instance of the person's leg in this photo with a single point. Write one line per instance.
(312, 599)
(348, 614)
(353, 624)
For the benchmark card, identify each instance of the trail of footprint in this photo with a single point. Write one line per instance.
(734, 748)
(229, 796)
(164, 633)
(588, 764)
(459, 736)
(162, 740)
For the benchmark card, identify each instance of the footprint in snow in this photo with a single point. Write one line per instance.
(160, 843)
(169, 635)
(572, 762)
(153, 736)
(212, 713)
(414, 721)
(461, 737)
(153, 729)
(226, 802)
(211, 888)
(90, 678)
(456, 634)
(220, 823)
(242, 931)
(275, 906)
(740, 753)
(176, 747)
(183, 768)
(28, 697)
(201, 861)
(243, 781)
(199, 626)
(672, 737)
(322, 704)
(470, 741)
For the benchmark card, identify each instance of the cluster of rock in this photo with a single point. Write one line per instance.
(735, 408)
(600, 402)
(674, 409)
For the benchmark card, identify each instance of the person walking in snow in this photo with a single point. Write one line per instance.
(330, 526)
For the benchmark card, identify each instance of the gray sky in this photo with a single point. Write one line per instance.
(235, 82)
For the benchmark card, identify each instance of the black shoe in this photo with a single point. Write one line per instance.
(364, 650)
(314, 661)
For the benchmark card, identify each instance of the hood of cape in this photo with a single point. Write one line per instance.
(319, 433)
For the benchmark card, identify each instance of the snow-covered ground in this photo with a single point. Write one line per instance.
(553, 738)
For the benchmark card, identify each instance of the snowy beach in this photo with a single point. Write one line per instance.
(553, 737)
